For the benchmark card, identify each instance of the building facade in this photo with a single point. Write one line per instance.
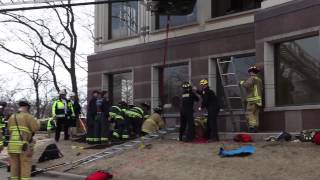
(280, 36)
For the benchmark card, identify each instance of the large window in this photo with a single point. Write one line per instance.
(298, 72)
(225, 7)
(121, 87)
(170, 90)
(161, 21)
(123, 19)
(241, 64)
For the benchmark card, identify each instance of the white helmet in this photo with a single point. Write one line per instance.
(72, 94)
(63, 92)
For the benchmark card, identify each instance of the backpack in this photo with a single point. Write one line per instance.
(243, 138)
(99, 175)
(51, 152)
(316, 138)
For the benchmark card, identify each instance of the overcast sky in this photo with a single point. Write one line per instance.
(84, 16)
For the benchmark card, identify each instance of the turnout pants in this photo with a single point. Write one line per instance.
(252, 114)
(136, 125)
(62, 122)
(212, 125)
(186, 123)
(100, 128)
(20, 166)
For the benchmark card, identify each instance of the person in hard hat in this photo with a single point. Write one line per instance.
(186, 112)
(62, 112)
(121, 126)
(77, 111)
(211, 103)
(253, 87)
(153, 123)
(136, 115)
(51, 126)
(98, 120)
(22, 127)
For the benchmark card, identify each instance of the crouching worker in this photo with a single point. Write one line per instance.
(153, 123)
(22, 127)
(51, 126)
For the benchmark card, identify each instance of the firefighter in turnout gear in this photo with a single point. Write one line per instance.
(62, 112)
(211, 103)
(117, 116)
(3, 124)
(253, 87)
(98, 119)
(153, 123)
(186, 113)
(22, 127)
(136, 116)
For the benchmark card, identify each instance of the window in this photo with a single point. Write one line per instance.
(161, 21)
(170, 89)
(121, 87)
(297, 72)
(241, 63)
(225, 7)
(123, 19)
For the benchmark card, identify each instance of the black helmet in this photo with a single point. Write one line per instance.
(157, 110)
(122, 104)
(2, 104)
(186, 85)
(24, 102)
(253, 69)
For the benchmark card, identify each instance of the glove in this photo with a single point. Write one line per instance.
(241, 82)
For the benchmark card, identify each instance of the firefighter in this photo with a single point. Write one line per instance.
(98, 120)
(77, 111)
(253, 87)
(62, 112)
(22, 127)
(211, 103)
(2, 124)
(153, 123)
(186, 112)
(120, 130)
(51, 126)
(136, 115)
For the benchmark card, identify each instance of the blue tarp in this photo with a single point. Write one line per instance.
(244, 150)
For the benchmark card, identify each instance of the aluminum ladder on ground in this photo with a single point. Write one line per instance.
(232, 90)
(117, 149)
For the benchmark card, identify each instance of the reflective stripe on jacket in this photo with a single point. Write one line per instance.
(27, 126)
(253, 87)
(58, 109)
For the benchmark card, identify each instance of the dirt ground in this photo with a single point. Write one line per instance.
(171, 160)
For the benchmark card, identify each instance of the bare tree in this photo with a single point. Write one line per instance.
(60, 46)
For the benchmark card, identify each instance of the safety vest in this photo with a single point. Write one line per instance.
(58, 109)
(116, 113)
(256, 94)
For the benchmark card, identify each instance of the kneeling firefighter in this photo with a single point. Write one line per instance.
(22, 127)
(117, 116)
(153, 123)
(186, 112)
(136, 115)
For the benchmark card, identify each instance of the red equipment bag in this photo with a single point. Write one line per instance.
(316, 138)
(243, 138)
(99, 175)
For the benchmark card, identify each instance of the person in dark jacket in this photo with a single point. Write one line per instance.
(186, 113)
(77, 111)
(211, 103)
(97, 120)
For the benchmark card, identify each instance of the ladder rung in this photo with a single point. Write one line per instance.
(227, 74)
(234, 97)
(223, 62)
(231, 85)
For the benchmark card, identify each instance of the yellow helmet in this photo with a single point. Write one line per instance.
(203, 82)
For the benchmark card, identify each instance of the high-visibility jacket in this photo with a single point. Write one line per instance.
(153, 123)
(27, 126)
(60, 111)
(50, 124)
(135, 112)
(2, 126)
(253, 86)
(116, 113)
(2, 122)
